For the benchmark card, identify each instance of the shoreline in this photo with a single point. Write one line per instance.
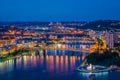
(12, 56)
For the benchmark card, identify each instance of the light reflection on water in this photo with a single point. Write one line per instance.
(94, 76)
(52, 63)
(6, 66)
(45, 65)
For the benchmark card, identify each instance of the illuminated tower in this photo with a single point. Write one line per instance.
(110, 40)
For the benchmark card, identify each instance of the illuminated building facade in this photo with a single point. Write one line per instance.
(110, 39)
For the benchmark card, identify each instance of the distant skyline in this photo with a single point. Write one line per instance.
(59, 10)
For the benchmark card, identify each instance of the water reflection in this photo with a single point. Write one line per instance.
(46, 63)
(52, 62)
(6, 66)
(93, 76)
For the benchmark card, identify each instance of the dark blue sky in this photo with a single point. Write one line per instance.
(59, 10)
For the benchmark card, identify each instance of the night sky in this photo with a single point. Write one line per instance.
(59, 10)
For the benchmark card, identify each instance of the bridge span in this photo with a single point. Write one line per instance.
(68, 49)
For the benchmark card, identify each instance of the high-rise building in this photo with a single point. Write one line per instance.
(109, 39)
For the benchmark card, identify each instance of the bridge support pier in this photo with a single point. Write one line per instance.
(44, 52)
(81, 54)
(73, 53)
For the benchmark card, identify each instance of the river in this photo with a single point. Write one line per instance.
(49, 65)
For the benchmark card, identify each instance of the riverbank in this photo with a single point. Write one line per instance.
(105, 59)
(13, 55)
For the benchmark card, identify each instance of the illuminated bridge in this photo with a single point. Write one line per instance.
(51, 48)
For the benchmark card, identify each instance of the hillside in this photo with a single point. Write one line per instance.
(101, 25)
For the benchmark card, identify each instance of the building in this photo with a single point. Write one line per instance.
(7, 40)
(117, 37)
(109, 35)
